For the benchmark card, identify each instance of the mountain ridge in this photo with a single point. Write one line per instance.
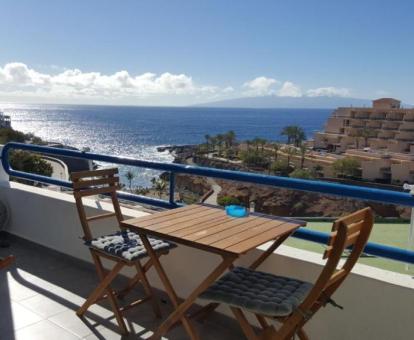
(264, 102)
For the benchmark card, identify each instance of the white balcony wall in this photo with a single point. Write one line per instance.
(378, 304)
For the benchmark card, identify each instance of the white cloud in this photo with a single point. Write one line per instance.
(228, 89)
(260, 86)
(329, 91)
(289, 89)
(19, 81)
(18, 78)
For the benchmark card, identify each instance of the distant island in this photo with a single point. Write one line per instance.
(304, 102)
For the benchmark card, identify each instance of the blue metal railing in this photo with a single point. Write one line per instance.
(356, 192)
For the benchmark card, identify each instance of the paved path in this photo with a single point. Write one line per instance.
(60, 171)
(212, 199)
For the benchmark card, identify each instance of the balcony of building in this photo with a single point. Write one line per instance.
(53, 273)
(386, 134)
(362, 115)
(395, 116)
(407, 126)
(407, 136)
(390, 125)
(375, 115)
(409, 116)
(356, 123)
(373, 124)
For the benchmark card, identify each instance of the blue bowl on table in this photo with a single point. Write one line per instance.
(236, 211)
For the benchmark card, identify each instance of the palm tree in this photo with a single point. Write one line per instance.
(300, 136)
(365, 134)
(256, 142)
(231, 137)
(220, 140)
(290, 151)
(262, 143)
(295, 134)
(207, 137)
(302, 149)
(289, 132)
(160, 186)
(357, 134)
(130, 177)
(276, 147)
(213, 142)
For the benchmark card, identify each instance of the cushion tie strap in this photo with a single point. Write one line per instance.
(328, 299)
(333, 303)
(125, 235)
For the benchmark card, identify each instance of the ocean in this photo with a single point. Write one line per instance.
(138, 131)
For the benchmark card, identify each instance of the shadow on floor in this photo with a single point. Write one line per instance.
(52, 286)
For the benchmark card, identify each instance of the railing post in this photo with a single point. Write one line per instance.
(172, 187)
(411, 237)
(410, 244)
(4, 177)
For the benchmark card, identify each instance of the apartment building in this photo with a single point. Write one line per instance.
(381, 137)
(384, 126)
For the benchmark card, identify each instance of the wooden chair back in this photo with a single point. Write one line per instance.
(349, 231)
(92, 183)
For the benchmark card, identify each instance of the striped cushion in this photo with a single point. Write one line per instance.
(127, 245)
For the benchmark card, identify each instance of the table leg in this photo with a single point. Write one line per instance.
(269, 251)
(168, 286)
(180, 309)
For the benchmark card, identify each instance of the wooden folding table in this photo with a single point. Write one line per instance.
(208, 228)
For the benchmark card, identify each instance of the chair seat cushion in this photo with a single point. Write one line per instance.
(258, 292)
(127, 245)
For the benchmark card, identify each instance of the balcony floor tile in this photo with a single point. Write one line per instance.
(42, 290)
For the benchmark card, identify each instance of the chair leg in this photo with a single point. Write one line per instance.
(100, 289)
(148, 290)
(244, 324)
(104, 287)
(262, 320)
(7, 261)
(302, 334)
(111, 295)
(130, 286)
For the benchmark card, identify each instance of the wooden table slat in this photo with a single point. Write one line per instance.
(245, 234)
(193, 229)
(197, 219)
(190, 226)
(162, 214)
(176, 218)
(209, 228)
(262, 238)
(225, 230)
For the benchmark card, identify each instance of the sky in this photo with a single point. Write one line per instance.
(174, 52)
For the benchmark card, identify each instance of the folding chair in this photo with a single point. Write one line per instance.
(122, 247)
(290, 301)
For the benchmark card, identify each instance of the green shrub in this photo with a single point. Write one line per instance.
(10, 135)
(301, 173)
(227, 200)
(347, 167)
(254, 158)
(30, 162)
(281, 168)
